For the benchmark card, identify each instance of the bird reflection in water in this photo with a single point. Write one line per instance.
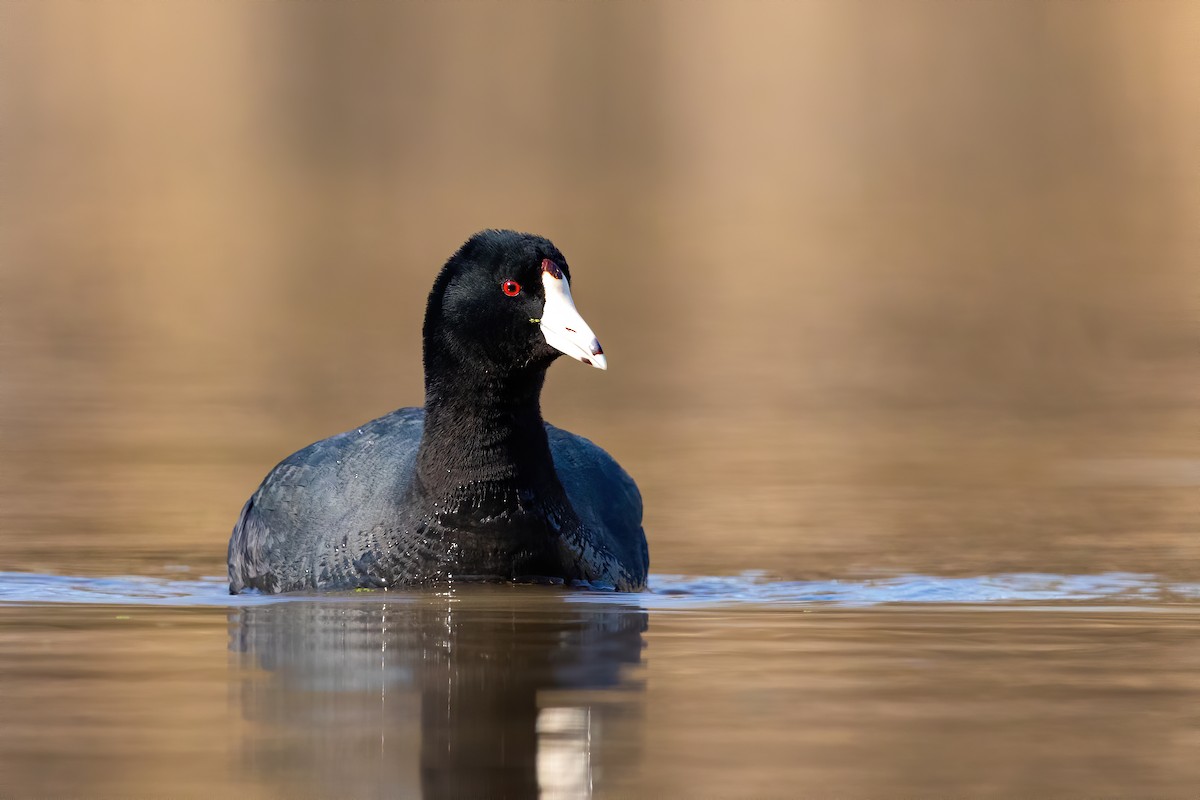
(486, 693)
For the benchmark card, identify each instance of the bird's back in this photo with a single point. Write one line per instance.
(323, 510)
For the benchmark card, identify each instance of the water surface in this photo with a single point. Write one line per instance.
(899, 302)
(508, 691)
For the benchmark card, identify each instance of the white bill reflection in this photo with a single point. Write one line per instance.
(564, 753)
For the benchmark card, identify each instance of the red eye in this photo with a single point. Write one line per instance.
(511, 288)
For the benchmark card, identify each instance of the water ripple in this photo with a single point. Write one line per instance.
(666, 591)
(1110, 587)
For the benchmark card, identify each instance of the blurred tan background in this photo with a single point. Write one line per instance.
(885, 286)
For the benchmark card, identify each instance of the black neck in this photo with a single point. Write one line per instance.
(484, 436)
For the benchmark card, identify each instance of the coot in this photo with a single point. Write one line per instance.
(474, 486)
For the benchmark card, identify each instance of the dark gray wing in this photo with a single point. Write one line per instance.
(605, 498)
(349, 483)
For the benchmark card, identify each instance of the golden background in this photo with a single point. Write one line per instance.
(884, 285)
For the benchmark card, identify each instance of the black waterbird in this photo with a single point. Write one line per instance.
(474, 486)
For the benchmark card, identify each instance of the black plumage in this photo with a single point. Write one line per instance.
(474, 486)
